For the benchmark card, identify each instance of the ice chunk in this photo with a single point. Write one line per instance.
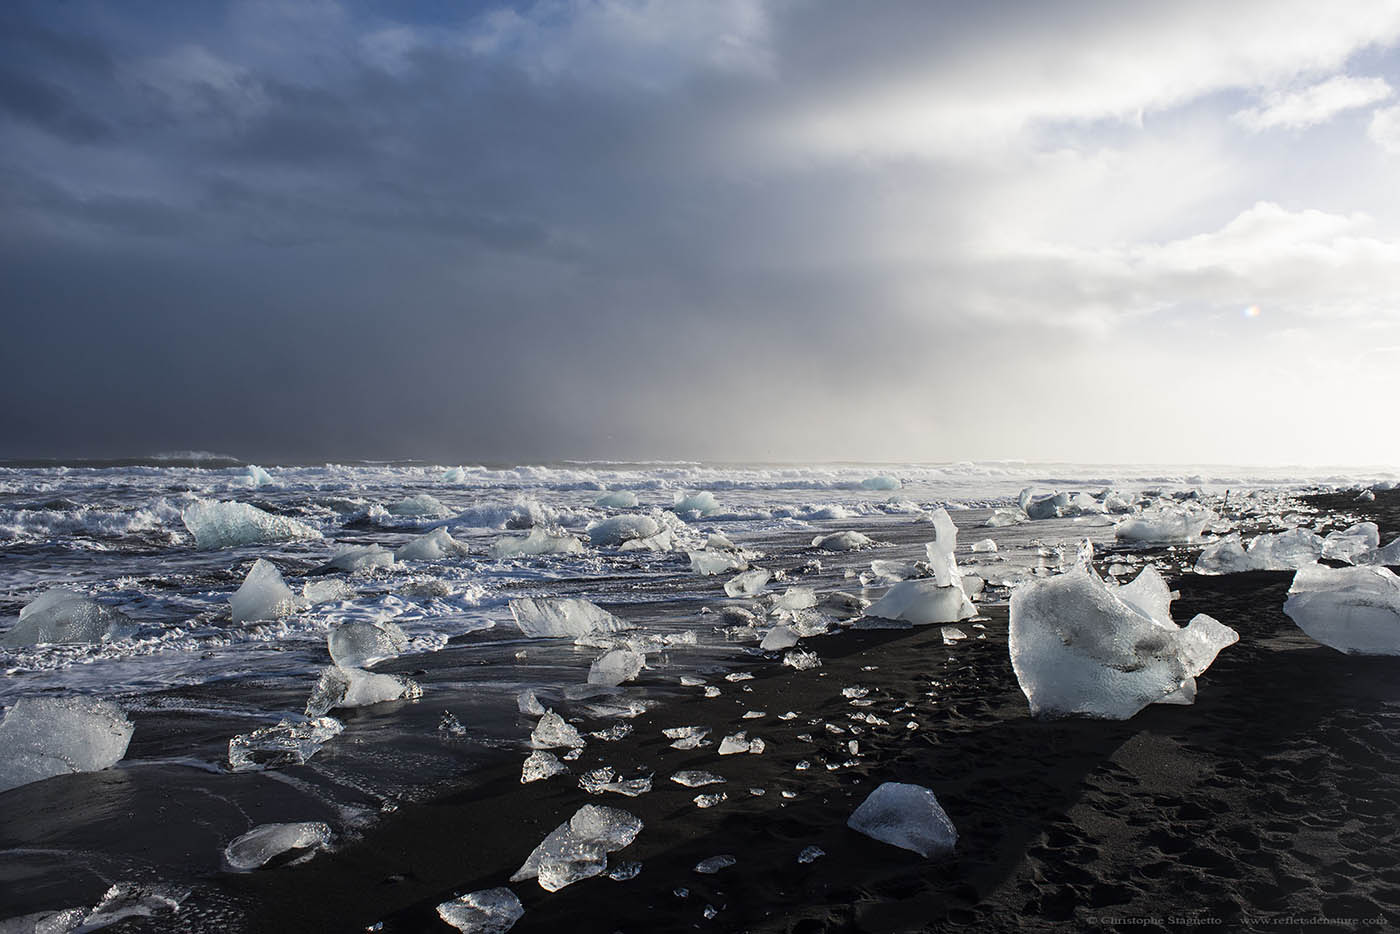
(800, 660)
(1164, 526)
(556, 617)
(527, 703)
(796, 598)
(263, 596)
(361, 643)
(893, 572)
(1000, 518)
(490, 911)
(328, 590)
(842, 541)
(747, 583)
(922, 602)
(709, 801)
(696, 778)
(126, 900)
(1360, 539)
(430, 546)
(540, 765)
(421, 505)
(540, 541)
(984, 546)
(880, 482)
(1280, 551)
(906, 816)
(810, 854)
(1353, 610)
(615, 667)
(46, 736)
(228, 524)
(1080, 646)
(616, 499)
(578, 848)
(621, 529)
(702, 503)
(779, 637)
(353, 558)
(287, 743)
(354, 687)
(940, 551)
(61, 615)
(262, 843)
(714, 864)
(686, 737)
(603, 780)
(736, 743)
(1038, 505)
(257, 477)
(454, 475)
(553, 732)
(709, 562)
(1389, 555)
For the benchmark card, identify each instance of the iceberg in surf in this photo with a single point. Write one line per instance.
(361, 643)
(881, 482)
(540, 541)
(940, 598)
(61, 615)
(423, 505)
(1080, 646)
(906, 816)
(263, 843)
(579, 847)
(617, 499)
(1278, 551)
(1353, 610)
(356, 558)
(557, 617)
(227, 525)
(46, 736)
(430, 546)
(257, 477)
(263, 596)
(621, 529)
(490, 911)
(698, 504)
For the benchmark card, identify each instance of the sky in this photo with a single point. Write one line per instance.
(735, 230)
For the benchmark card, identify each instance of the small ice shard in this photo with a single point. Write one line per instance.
(1352, 543)
(340, 687)
(578, 848)
(257, 477)
(778, 638)
(628, 869)
(739, 676)
(735, 743)
(952, 634)
(906, 816)
(489, 911)
(810, 854)
(419, 506)
(984, 546)
(754, 714)
(842, 541)
(46, 736)
(702, 503)
(287, 743)
(617, 499)
(450, 725)
(1164, 526)
(923, 601)
(1353, 610)
(554, 732)
(718, 541)
(1080, 646)
(801, 660)
(430, 546)
(559, 617)
(263, 596)
(747, 583)
(711, 691)
(61, 615)
(696, 778)
(622, 529)
(227, 525)
(686, 737)
(327, 590)
(540, 765)
(267, 841)
(358, 558)
(708, 563)
(796, 598)
(527, 703)
(880, 482)
(603, 780)
(613, 733)
(1000, 518)
(709, 801)
(361, 643)
(616, 667)
(714, 864)
(540, 541)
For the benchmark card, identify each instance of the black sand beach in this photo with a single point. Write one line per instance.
(1269, 805)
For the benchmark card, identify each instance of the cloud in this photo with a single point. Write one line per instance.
(1310, 106)
(1384, 129)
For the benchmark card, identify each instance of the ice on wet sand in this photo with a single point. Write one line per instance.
(263, 843)
(340, 687)
(1163, 526)
(1080, 646)
(553, 732)
(288, 743)
(62, 615)
(540, 765)
(46, 736)
(842, 541)
(578, 848)
(430, 546)
(360, 558)
(263, 596)
(615, 667)
(490, 911)
(907, 816)
(361, 643)
(228, 524)
(1353, 610)
(926, 600)
(558, 617)
(621, 529)
(747, 583)
(1278, 551)
(709, 563)
(540, 541)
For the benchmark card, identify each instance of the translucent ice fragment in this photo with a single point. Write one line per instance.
(747, 583)
(554, 732)
(431, 546)
(61, 615)
(1353, 610)
(267, 841)
(287, 743)
(361, 643)
(263, 596)
(906, 816)
(227, 525)
(555, 617)
(489, 911)
(616, 667)
(46, 736)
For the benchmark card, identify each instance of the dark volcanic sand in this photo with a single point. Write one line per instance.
(1272, 803)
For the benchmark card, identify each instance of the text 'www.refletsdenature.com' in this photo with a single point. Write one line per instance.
(1191, 921)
